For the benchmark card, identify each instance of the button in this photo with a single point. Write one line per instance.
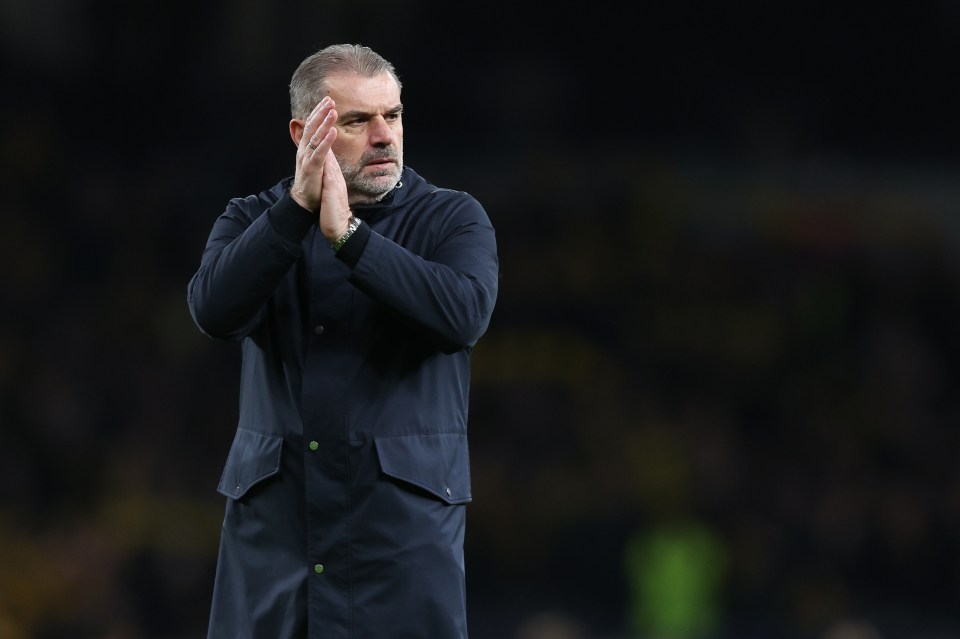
(318, 568)
(318, 329)
(448, 491)
(314, 445)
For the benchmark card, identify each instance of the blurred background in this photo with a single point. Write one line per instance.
(718, 398)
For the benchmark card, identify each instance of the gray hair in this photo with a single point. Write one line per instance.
(308, 85)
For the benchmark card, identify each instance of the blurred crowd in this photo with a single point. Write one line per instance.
(716, 401)
(739, 422)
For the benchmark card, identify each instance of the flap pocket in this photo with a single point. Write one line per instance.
(440, 464)
(253, 457)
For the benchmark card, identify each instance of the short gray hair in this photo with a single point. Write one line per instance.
(308, 85)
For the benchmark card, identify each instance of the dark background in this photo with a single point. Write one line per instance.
(718, 395)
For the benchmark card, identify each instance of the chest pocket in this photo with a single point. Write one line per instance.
(253, 457)
(439, 464)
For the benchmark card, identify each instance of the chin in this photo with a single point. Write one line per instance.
(391, 172)
(384, 180)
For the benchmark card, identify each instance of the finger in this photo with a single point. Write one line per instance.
(331, 168)
(322, 139)
(315, 121)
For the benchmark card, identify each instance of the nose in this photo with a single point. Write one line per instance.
(380, 133)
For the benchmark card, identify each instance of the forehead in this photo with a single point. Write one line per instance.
(356, 93)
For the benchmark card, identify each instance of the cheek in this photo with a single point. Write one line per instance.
(345, 147)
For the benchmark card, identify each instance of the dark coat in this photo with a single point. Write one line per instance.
(348, 478)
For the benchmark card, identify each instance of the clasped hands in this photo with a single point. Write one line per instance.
(318, 183)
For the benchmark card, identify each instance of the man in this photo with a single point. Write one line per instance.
(358, 290)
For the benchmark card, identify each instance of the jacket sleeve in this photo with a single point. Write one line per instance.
(452, 291)
(249, 251)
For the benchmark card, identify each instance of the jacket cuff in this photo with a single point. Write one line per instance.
(289, 219)
(352, 249)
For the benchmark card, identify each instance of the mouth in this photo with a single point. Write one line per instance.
(380, 163)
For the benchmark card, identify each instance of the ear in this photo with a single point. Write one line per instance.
(296, 131)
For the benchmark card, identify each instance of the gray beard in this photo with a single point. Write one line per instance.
(367, 188)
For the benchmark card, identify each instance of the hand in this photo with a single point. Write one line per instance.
(334, 203)
(313, 149)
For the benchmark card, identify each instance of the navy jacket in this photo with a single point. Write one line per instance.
(349, 473)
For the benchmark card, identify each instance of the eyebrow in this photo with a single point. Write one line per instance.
(366, 114)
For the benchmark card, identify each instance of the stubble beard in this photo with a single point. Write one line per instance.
(373, 186)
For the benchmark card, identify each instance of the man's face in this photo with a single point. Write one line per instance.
(369, 144)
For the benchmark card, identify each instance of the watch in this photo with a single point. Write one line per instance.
(351, 227)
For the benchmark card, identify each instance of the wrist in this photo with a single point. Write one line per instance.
(352, 225)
